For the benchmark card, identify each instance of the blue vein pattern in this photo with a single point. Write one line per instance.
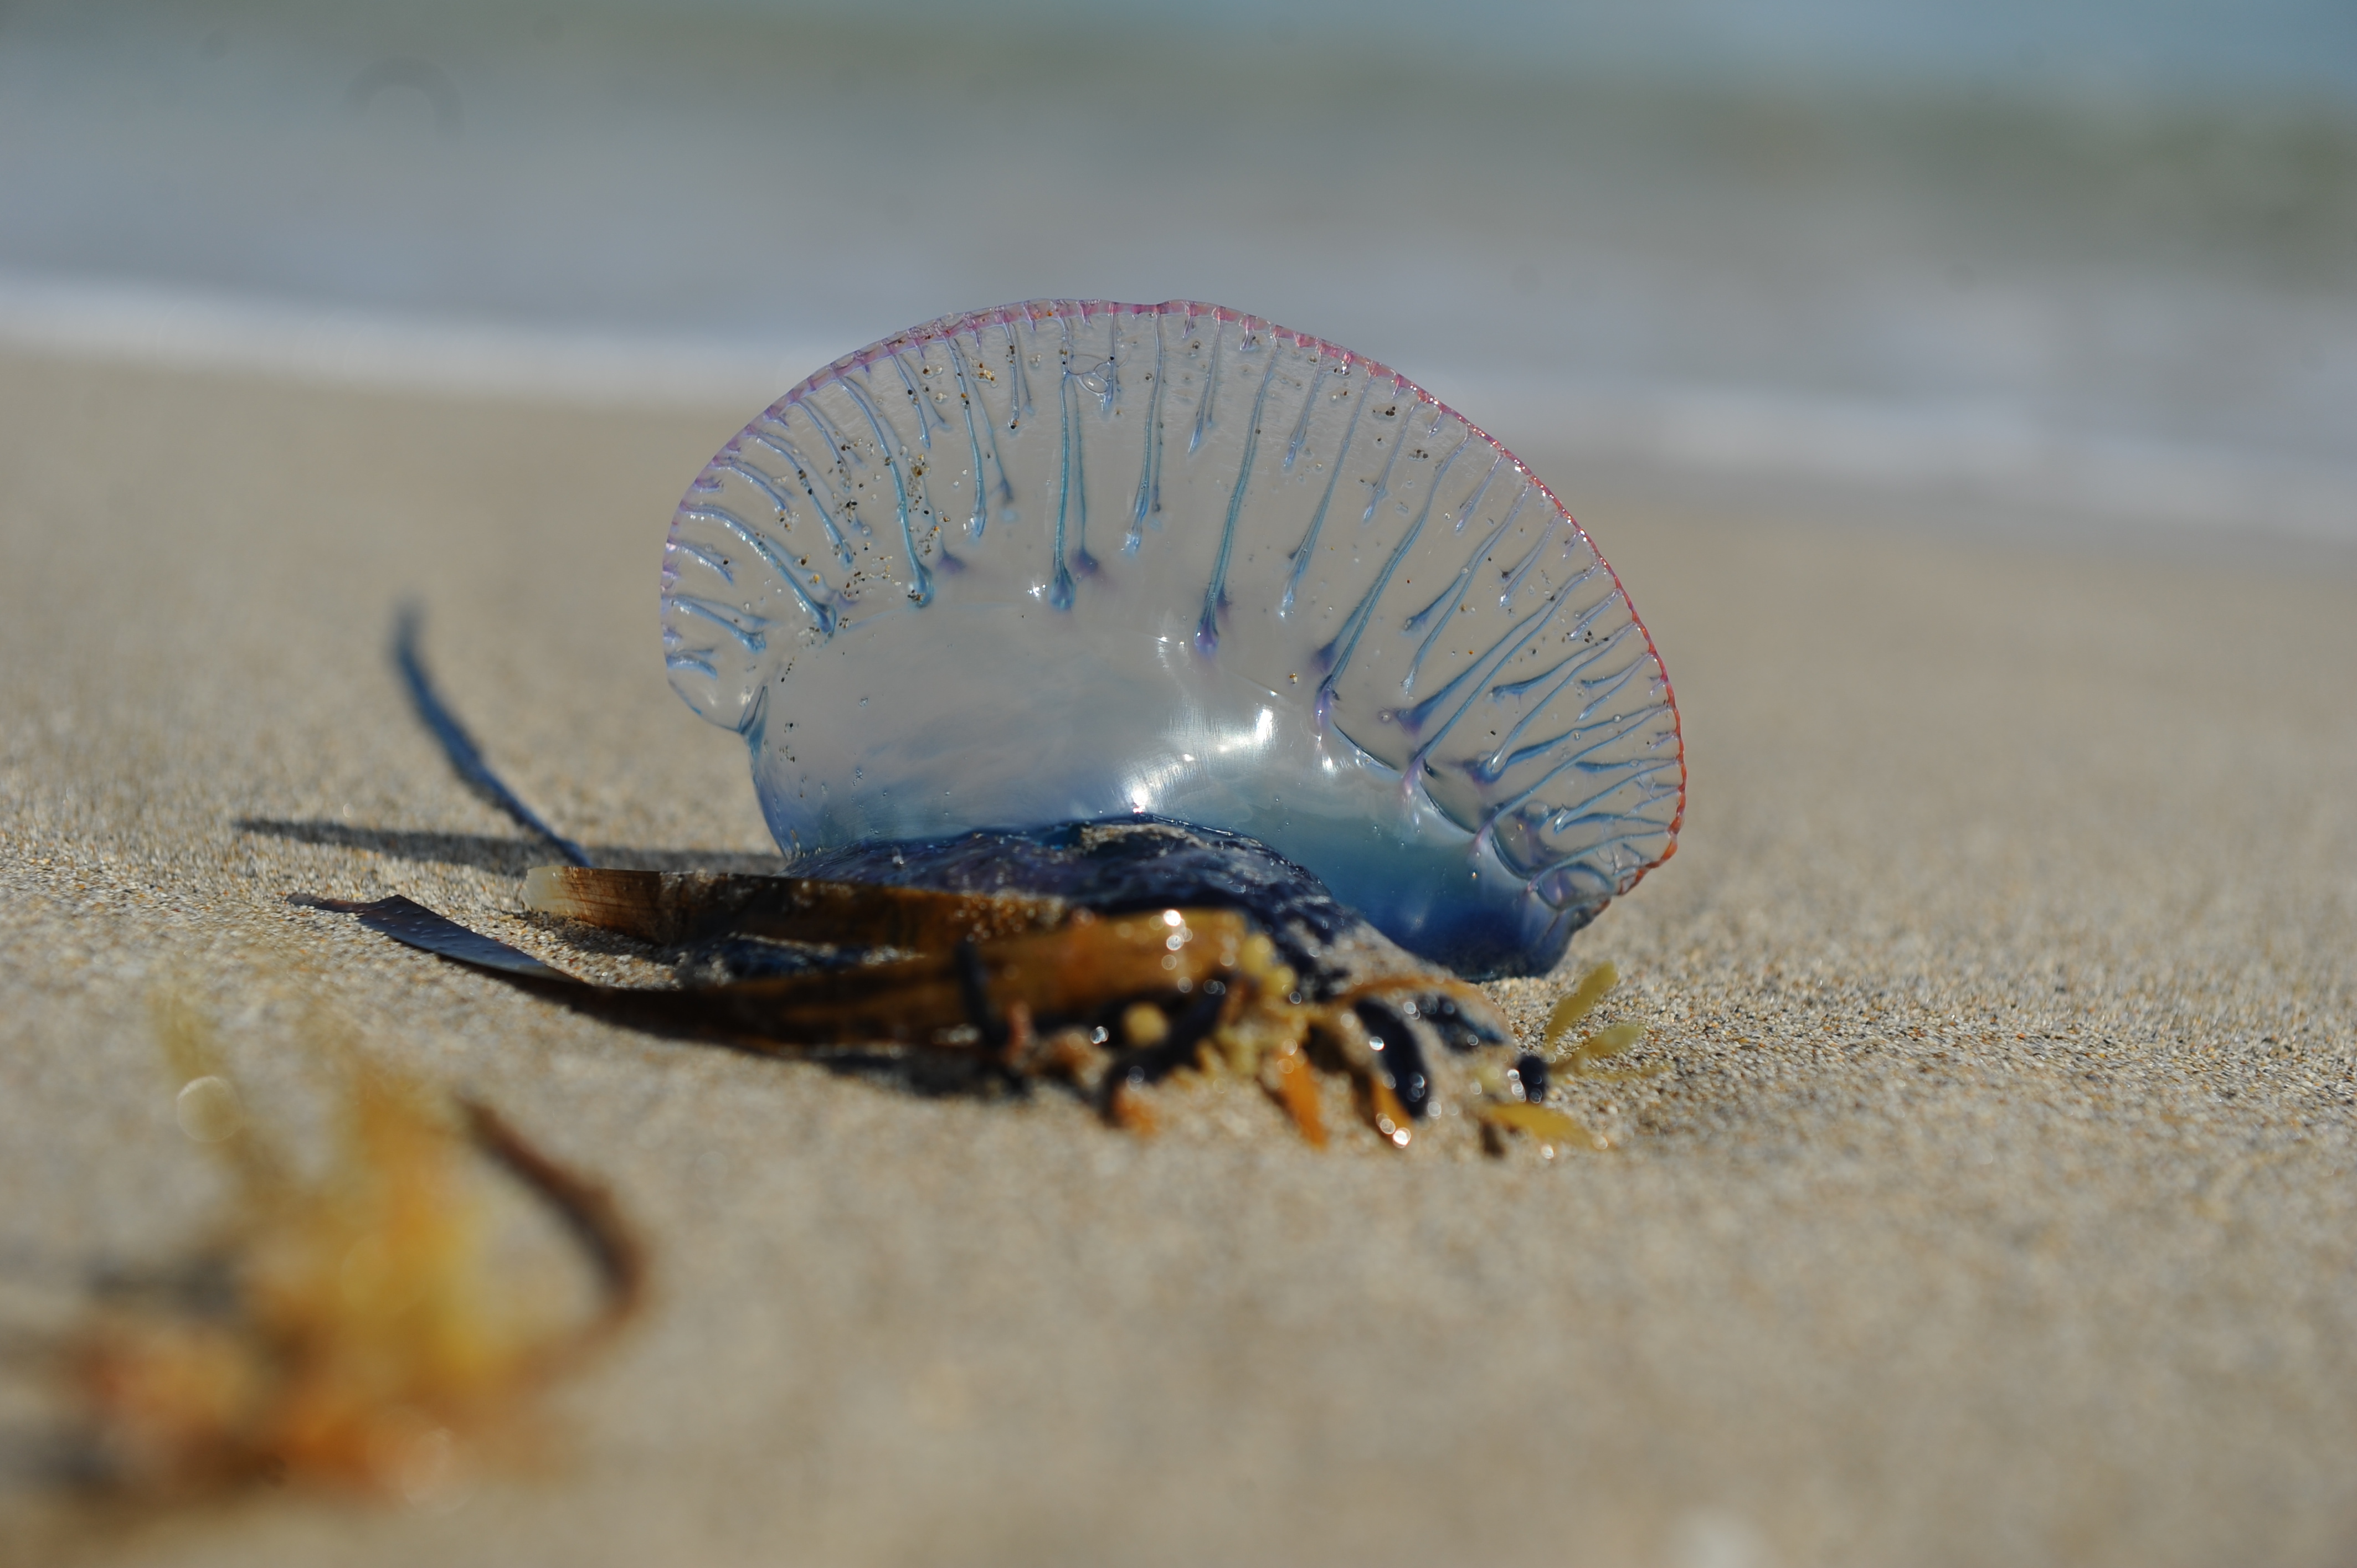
(1377, 576)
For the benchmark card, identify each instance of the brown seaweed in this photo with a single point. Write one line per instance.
(346, 1331)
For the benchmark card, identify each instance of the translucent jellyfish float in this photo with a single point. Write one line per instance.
(1075, 561)
(1137, 690)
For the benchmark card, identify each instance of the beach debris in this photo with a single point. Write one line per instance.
(1261, 978)
(349, 1331)
(1338, 712)
(1077, 989)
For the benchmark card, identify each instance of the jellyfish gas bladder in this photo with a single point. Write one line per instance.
(1075, 560)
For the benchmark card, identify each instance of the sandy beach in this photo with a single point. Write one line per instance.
(1996, 1202)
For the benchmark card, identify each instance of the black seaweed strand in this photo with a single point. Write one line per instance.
(458, 748)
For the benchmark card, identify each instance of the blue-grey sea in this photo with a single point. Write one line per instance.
(2099, 260)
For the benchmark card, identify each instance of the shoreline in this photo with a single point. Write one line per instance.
(1800, 447)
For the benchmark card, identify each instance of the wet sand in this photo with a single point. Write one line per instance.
(1996, 1202)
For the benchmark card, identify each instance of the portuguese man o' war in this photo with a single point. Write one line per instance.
(1070, 562)
(1137, 691)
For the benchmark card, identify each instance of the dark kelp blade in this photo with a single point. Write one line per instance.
(1057, 977)
(668, 909)
(933, 999)
(406, 921)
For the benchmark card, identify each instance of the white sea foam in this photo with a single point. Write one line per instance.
(1985, 451)
(345, 346)
(1982, 452)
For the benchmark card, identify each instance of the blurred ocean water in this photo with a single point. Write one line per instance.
(2100, 258)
